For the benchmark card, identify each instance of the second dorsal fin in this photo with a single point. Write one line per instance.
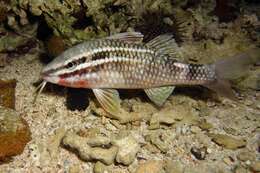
(131, 37)
(163, 45)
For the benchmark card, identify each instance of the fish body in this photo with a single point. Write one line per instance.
(109, 63)
(122, 62)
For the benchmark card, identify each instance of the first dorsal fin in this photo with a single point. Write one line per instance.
(163, 45)
(131, 37)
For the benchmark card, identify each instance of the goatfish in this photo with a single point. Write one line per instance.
(123, 61)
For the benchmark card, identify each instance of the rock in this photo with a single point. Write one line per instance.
(240, 169)
(107, 156)
(199, 153)
(54, 142)
(173, 167)
(88, 153)
(246, 155)
(228, 141)
(255, 167)
(94, 138)
(166, 116)
(152, 166)
(101, 168)
(127, 149)
(14, 133)
(161, 139)
(7, 93)
(74, 168)
(195, 129)
(99, 141)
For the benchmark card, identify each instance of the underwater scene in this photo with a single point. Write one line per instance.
(130, 86)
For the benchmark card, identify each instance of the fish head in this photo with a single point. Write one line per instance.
(64, 69)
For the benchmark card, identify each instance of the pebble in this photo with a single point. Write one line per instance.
(74, 168)
(195, 129)
(228, 142)
(151, 166)
(246, 155)
(127, 149)
(199, 153)
(255, 167)
(240, 169)
(14, 133)
(228, 160)
(173, 167)
(248, 102)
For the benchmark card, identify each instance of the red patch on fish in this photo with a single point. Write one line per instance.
(75, 84)
(80, 84)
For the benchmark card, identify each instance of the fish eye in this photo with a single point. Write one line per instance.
(70, 65)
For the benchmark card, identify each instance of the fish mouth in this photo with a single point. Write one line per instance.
(50, 78)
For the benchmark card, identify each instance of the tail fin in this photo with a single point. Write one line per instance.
(232, 68)
(238, 65)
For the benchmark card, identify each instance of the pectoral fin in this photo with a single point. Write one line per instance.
(159, 95)
(109, 100)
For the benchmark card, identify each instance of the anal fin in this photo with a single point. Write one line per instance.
(159, 95)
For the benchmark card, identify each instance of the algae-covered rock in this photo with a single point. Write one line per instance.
(14, 133)
(76, 21)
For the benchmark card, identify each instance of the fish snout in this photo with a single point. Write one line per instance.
(48, 76)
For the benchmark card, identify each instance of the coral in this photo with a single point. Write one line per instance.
(127, 148)
(54, 142)
(88, 153)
